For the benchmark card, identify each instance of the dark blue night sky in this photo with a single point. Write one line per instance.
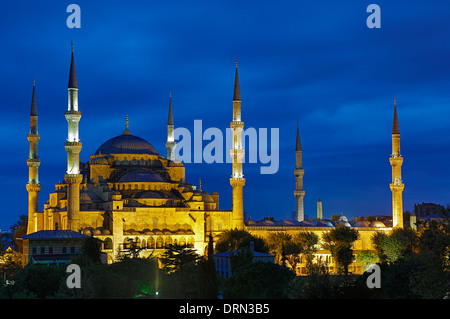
(315, 62)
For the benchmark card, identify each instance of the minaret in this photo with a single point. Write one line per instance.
(299, 172)
(397, 185)
(319, 210)
(73, 146)
(237, 180)
(170, 144)
(33, 162)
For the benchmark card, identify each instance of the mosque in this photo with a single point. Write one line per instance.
(129, 192)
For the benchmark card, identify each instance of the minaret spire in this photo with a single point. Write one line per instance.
(73, 146)
(397, 185)
(73, 74)
(237, 90)
(237, 180)
(33, 162)
(299, 192)
(126, 131)
(170, 143)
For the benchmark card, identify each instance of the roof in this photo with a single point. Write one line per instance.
(33, 111)
(55, 234)
(126, 144)
(298, 144)
(170, 119)
(237, 90)
(73, 75)
(140, 175)
(395, 128)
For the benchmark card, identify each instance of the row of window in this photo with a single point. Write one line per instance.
(49, 251)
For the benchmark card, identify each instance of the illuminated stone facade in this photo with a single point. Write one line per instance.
(127, 192)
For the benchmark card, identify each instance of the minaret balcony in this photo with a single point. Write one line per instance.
(33, 162)
(33, 138)
(236, 124)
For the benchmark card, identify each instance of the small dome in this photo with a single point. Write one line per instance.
(360, 223)
(325, 223)
(207, 198)
(99, 161)
(345, 223)
(376, 223)
(342, 218)
(306, 223)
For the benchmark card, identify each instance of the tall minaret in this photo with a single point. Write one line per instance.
(237, 179)
(73, 177)
(33, 162)
(170, 144)
(397, 185)
(299, 172)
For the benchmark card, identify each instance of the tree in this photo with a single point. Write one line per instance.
(367, 257)
(258, 280)
(37, 281)
(19, 229)
(400, 243)
(277, 243)
(234, 239)
(176, 257)
(339, 242)
(10, 264)
(307, 242)
(90, 252)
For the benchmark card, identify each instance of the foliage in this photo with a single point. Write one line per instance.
(234, 239)
(176, 257)
(258, 280)
(307, 243)
(19, 229)
(339, 241)
(36, 281)
(367, 257)
(277, 243)
(90, 252)
(10, 263)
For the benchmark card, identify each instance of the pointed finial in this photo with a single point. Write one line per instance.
(126, 132)
(395, 127)
(200, 184)
(170, 118)
(33, 100)
(72, 45)
(237, 90)
(298, 145)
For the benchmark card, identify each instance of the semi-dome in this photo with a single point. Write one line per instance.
(377, 223)
(88, 196)
(140, 175)
(126, 144)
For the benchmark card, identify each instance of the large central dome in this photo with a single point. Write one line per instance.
(126, 144)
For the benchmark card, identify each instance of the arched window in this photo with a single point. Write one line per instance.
(159, 242)
(107, 244)
(151, 243)
(168, 241)
(182, 241)
(191, 242)
(137, 242)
